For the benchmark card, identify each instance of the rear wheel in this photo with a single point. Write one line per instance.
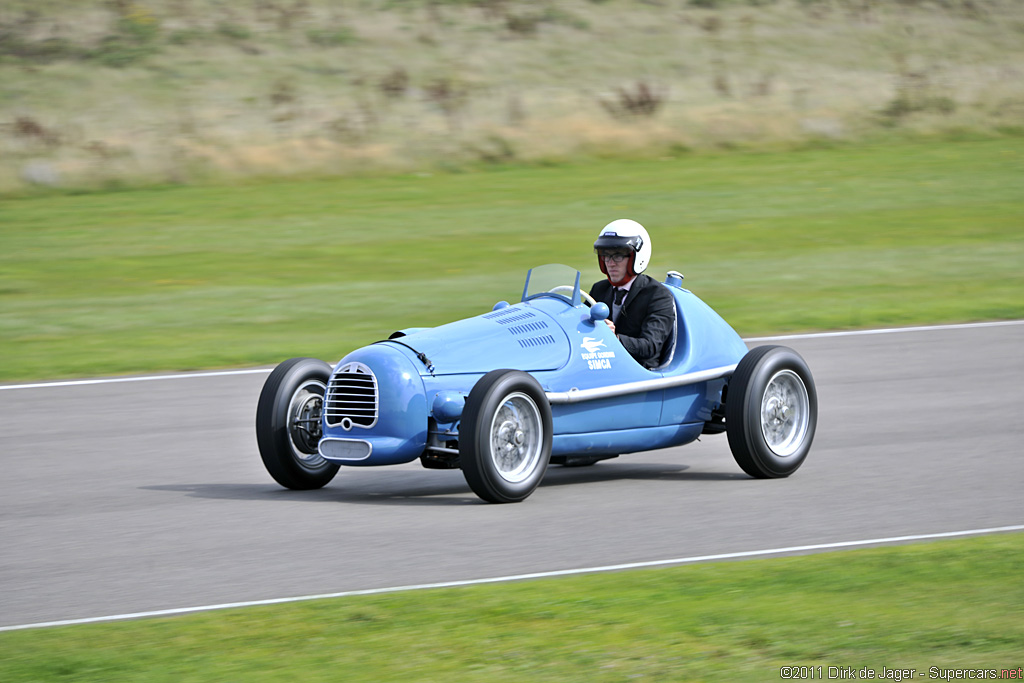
(771, 412)
(505, 436)
(288, 428)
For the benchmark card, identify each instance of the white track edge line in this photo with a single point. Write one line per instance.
(521, 577)
(887, 330)
(256, 371)
(141, 378)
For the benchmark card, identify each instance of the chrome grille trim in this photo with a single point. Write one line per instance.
(345, 449)
(352, 399)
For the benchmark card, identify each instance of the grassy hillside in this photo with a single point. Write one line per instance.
(121, 92)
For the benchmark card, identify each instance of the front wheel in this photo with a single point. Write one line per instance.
(505, 436)
(771, 412)
(288, 428)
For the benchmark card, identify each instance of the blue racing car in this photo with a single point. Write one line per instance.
(503, 394)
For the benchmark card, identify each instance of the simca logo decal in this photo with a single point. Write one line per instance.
(596, 360)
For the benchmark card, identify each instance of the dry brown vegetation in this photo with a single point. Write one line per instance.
(99, 92)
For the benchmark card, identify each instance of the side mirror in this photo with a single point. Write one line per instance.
(599, 311)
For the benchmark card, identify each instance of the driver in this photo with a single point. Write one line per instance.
(642, 310)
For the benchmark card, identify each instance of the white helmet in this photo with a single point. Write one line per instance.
(625, 234)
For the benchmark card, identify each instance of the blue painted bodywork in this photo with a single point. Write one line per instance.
(423, 375)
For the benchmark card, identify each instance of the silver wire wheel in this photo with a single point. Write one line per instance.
(516, 438)
(785, 413)
(505, 436)
(771, 412)
(304, 428)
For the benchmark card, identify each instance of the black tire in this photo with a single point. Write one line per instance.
(294, 391)
(771, 411)
(511, 474)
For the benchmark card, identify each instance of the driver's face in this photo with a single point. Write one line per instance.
(616, 263)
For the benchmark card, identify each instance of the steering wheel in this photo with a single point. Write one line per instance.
(587, 299)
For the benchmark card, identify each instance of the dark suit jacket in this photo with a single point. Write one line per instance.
(646, 319)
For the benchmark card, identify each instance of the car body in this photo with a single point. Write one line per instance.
(544, 380)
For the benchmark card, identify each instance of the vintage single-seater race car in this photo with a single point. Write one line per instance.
(545, 380)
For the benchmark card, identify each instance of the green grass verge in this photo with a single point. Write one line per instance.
(197, 277)
(951, 604)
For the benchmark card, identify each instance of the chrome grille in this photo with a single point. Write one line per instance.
(351, 397)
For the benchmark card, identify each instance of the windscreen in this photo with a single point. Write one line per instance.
(554, 280)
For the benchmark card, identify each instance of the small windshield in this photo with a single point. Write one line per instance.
(554, 280)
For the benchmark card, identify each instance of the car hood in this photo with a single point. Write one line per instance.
(520, 337)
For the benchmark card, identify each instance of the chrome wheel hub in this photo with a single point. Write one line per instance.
(304, 429)
(516, 437)
(785, 413)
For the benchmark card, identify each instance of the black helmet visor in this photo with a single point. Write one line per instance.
(632, 243)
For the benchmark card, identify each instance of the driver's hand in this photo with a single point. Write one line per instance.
(610, 324)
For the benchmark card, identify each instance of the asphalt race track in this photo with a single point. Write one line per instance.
(136, 496)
